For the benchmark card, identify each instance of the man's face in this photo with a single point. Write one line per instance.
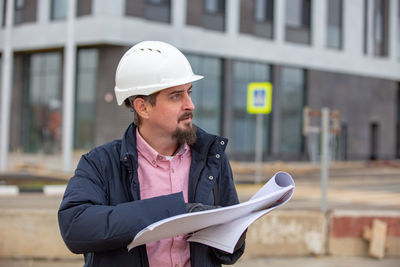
(172, 113)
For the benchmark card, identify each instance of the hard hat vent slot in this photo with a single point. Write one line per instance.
(149, 49)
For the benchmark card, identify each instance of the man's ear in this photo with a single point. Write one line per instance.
(142, 107)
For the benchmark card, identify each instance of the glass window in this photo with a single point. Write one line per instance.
(25, 11)
(244, 124)
(381, 27)
(42, 116)
(365, 44)
(59, 9)
(214, 6)
(206, 93)
(264, 10)
(398, 30)
(398, 122)
(263, 18)
(1, 76)
(19, 4)
(298, 13)
(158, 10)
(214, 15)
(334, 11)
(3, 19)
(19, 11)
(298, 21)
(291, 98)
(87, 67)
(83, 7)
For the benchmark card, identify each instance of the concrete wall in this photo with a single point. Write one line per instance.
(287, 233)
(31, 234)
(346, 230)
(34, 233)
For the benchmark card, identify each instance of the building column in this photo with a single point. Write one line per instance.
(232, 17)
(7, 70)
(114, 8)
(43, 12)
(353, 27)
(276, 111)
(394, 16)
(69, 88)
(279, 21)
(370, 28)
(178, 13)
(1, 12)
(318, 24)
(227, 98)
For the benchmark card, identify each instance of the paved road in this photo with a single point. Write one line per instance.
(351, 193)
(359, 188)
(261, 262)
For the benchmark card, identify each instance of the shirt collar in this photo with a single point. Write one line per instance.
(151, 155)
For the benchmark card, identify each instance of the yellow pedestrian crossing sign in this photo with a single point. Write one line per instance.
(259, 98)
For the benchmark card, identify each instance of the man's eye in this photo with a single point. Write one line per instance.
(175, 96)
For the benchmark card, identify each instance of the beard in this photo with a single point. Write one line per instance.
(187, 135)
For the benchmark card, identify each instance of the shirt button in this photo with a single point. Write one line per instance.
(222, 143)
(217, 156)
(210, 177)
(172, 170)
(125, 158)
(160, 157)
(153, 162)
(176, 265)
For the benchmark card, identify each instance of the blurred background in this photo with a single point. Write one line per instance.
(57, 64)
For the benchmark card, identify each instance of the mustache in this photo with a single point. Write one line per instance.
(185, 116)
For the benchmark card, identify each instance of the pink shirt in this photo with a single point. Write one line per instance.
(162, 175)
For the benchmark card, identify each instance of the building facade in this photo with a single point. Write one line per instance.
(58, 61)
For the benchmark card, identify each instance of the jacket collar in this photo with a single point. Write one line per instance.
(128, 144)
(200, 147)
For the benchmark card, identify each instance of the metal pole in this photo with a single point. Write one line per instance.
(324, 157)
(259, 147)
(7, 70)
(69, 89)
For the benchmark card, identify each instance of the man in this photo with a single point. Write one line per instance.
(163, 166)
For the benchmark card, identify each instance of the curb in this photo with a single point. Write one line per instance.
(48, 190)
(9, 190)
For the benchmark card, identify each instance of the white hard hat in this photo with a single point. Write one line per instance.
(149, 67)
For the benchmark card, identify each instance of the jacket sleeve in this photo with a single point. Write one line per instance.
(88, 224)
(228, 197)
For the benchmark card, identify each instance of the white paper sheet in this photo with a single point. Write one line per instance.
(221, 228)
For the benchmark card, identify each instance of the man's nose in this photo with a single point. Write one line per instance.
(188, 105)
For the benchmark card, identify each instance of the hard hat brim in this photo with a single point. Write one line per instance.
(148, 90)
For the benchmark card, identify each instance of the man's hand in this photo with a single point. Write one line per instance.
(194, 207)
(238, 245)
(241, 240)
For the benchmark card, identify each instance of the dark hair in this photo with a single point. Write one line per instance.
(148, 98)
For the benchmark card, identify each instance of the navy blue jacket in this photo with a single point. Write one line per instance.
(101, 210)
